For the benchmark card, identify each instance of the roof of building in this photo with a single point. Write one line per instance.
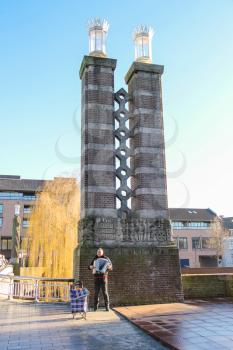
(192, 214)
(228, 222)
(15, 183)
(17, 177)
(12, 183)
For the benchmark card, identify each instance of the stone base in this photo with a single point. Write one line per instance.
(141, 275)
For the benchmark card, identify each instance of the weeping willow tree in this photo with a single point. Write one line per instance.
(52, 234)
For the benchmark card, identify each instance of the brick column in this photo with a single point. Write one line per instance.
(98, 195)
(148, 150)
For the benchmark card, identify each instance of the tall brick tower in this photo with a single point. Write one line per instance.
(125, 144)
(146, 122)
(98, 183)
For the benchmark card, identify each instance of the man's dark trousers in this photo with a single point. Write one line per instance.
(101, 282)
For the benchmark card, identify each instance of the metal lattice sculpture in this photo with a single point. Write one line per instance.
(122, 133)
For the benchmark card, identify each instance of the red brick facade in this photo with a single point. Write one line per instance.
(140, 275)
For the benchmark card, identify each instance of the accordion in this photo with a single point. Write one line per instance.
(101, 265)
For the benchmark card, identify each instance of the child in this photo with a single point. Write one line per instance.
(78, 299)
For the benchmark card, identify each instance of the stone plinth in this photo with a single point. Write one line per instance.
(141, 275)
(146, 264)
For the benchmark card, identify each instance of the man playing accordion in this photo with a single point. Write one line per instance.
(100, 266)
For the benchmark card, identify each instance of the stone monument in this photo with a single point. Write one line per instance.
(124, 206)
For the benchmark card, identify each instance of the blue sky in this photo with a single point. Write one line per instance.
(42, 43)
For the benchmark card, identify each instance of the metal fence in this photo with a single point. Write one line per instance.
(37, 289)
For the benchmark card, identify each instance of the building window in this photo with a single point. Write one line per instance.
(6, 243)
(27, 209)
(198, 224)
(196, 243)
(205, 243)
(190, 224)
(181, 242)
(29, 196)
(11, 195)
(1, 208)
(25, 222)
(1, 222)
(202, 243)
(18, 196)
(177, 224)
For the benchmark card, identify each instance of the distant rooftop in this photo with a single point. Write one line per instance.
(192, 214)
(16, 184)
(16, 177)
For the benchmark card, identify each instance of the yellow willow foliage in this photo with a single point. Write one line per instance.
(52, 233)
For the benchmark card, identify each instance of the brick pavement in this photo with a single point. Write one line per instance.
(25, 325)
(194, 325)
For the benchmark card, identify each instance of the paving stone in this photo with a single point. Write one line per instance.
(48, 327)
(194, 325)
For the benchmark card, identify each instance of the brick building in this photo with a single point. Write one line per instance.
(15, 191)
(194, 230)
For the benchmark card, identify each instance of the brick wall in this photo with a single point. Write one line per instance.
(140, 275)
(207, 286)
(207, 270)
